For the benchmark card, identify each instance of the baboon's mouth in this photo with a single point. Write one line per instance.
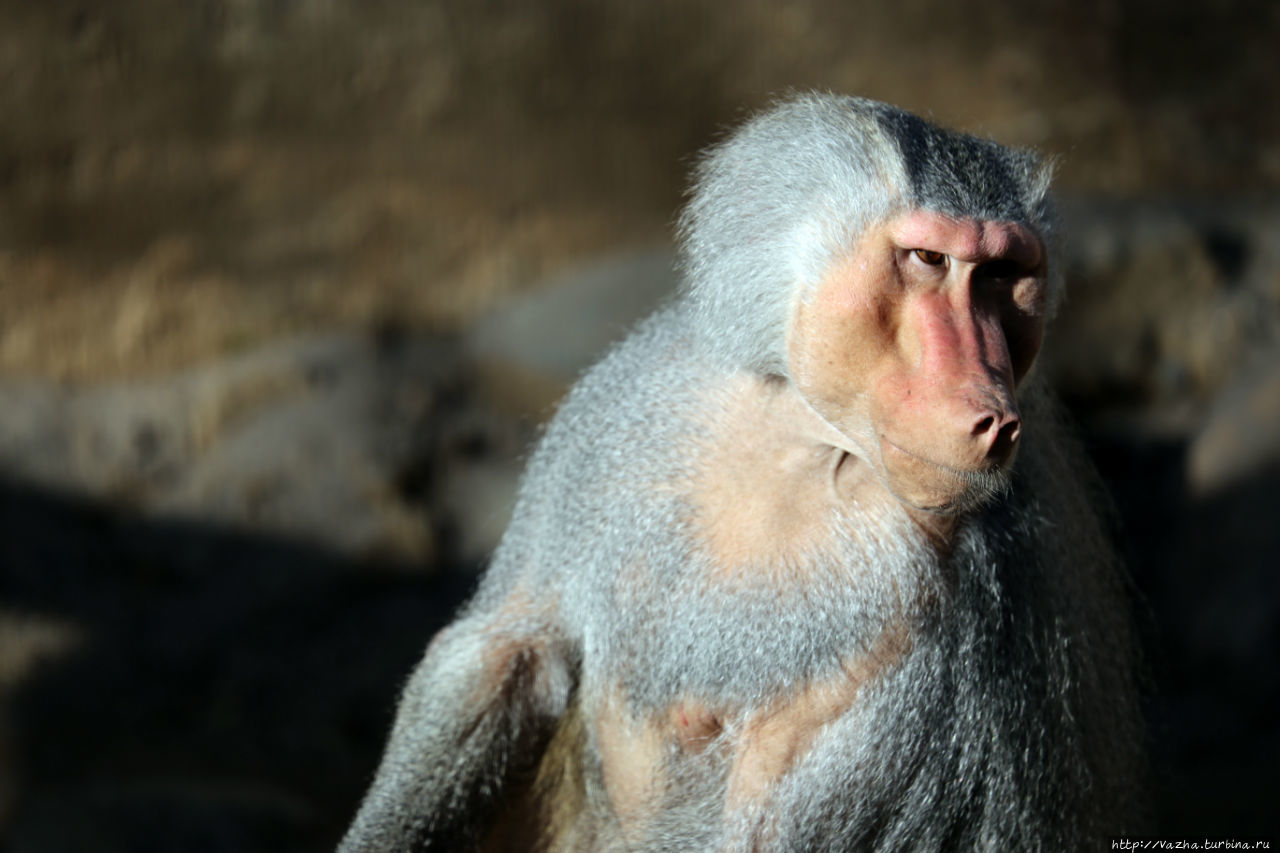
(987, 467)
(925, 484)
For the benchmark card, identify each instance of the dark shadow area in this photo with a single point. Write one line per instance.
(1206, 573)
(228, 692)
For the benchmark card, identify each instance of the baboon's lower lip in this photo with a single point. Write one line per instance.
(928, 486)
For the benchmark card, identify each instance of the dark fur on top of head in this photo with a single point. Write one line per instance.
(779, 201)
(967, 176)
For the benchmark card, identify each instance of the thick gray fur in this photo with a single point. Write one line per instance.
(1011, 722)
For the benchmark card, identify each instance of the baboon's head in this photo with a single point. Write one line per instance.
(897, 273)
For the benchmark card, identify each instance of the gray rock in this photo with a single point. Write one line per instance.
(306, 439)
(1241, 436)
(560, 327)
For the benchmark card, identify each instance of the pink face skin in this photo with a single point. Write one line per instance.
(914, 345)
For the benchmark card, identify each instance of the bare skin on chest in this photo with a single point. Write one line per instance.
(758, 745)
(772, 481)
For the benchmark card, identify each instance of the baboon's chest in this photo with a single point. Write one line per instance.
(740, 750)
(765, 507)
(758, 496)
(767, 488)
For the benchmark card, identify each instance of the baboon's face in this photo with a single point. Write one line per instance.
(913, 347)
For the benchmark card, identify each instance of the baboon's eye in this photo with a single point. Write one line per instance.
(933, 259)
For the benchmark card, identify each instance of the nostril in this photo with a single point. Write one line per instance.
(998, 434)
(1010, 431)
(1004, 440)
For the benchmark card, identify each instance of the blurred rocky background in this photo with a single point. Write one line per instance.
(287, 285)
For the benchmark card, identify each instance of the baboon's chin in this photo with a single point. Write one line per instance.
(947, 491)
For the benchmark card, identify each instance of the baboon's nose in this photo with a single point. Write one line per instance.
(997, 434)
